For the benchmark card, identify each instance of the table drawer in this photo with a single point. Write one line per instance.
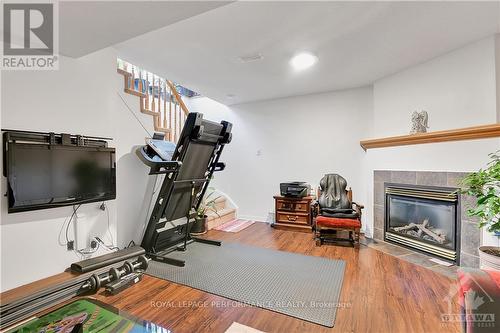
(293, 206)
(286, 217)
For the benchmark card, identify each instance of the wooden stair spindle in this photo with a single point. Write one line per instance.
(150, 83)
(158, 103)
(171, 135)
(180, 119)
(144, 90)
(146, 99)
(131, 81)
(140, 85)
(165, 105)
(159, 100)
(175, 122)
(179, 115)
(156, 97)
(127, 77)
(154, 93)
(155, 106)
(160, 109)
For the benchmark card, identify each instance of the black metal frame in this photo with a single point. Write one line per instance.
(457, 227)
(55, 141)
(193, 132)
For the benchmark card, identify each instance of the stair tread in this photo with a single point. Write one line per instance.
(163, 129)
(134, 92)
(123, 72)
(222, 212)
(220, 198)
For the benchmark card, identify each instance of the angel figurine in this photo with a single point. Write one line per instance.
(419, 122)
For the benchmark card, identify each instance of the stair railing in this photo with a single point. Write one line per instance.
(158, 98)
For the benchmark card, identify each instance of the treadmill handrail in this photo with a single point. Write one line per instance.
(158, 167)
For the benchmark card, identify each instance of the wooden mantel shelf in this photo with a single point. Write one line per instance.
(467, 133)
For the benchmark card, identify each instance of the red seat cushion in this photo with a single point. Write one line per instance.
(335, 222)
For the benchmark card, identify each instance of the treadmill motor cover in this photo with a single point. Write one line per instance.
(295, 189)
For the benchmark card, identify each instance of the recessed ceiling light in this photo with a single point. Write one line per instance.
(303, 60)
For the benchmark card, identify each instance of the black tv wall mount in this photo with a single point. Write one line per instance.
(49, 138)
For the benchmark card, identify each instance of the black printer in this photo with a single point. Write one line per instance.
(295, 189)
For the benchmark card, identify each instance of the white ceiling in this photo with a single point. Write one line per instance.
(356, 42)
(88, 26)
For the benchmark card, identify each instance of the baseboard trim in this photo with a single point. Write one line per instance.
(253, 218)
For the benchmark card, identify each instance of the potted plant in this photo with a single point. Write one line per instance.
(200, 225)
(485, 186)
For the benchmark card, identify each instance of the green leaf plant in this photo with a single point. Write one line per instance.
(485, 186)
(208, 203)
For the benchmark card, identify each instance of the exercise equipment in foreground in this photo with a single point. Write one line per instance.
(128, 273)
(186, 177)
(92, 264)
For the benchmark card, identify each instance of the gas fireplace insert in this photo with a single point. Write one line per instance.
(424, 218)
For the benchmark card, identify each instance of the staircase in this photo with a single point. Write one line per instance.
(158, 97)
(225, 213)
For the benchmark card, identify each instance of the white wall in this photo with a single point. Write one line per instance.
(301, 138)
(80, 98)
(298, 138)
(457, 90)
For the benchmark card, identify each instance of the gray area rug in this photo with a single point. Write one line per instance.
(300, 286)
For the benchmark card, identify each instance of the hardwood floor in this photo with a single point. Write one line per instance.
(380, 293)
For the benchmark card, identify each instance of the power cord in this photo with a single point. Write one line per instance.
(75, 210)
(99, 242)
(104, 207)
(86, 253)
(71, 221)
(111, 248)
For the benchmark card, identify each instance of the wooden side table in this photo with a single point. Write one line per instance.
(293, 213)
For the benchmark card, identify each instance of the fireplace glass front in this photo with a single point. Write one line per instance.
(423, 218)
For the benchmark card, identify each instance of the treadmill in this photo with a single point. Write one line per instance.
(188, 168)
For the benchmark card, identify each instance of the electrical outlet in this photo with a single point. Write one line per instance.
(70, 245)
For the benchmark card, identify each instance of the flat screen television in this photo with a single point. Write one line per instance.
(42, 176)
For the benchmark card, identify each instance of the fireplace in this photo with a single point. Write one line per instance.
(424, 218)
